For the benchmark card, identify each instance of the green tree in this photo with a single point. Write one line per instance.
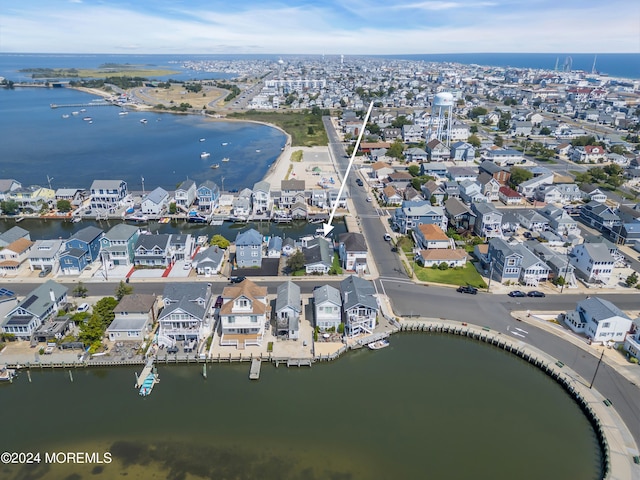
(619, 149)
(414, 170)
(519, 175)
(473, 129)
(374, 128)
(80, 290)
(545, 131)
(583, 141)
(613, 170)
(631, 280)
(295, 262)
(504, 123)
(9, 207)
(396, 149)
(583, 177)
(598, 174)
(63, 206)
(173, 208)
(499, 141)
(123, 289)
(400, 121)
(310, 131)
(476, 112)
(219, 241)
(474, 140)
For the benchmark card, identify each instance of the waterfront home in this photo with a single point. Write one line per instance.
(153, 250)
(134, 318)
(248, 249)
(431, 237)
(244, 314)
(459, 215)
(242, 204)
(504, 156)
(438, 151)
(45, 255)
(155, 202)
(599, 216)
(462, 152)
(182, 246)
(299, 210)
(288, 310)
(185, 194)
(558, 263)
(81, 249)
(289, 247)
(13, 234)
(488, 220)
(352, 250)
(411, 214)
(274, 247)
(318, 256)
(107, 195)
(289, 190)
(632, 341)
(73, 195)
(327, 306)
(593, 262)
(39, 305)
(209, 261)
(501, 174)
(262, 198)
(452, 257)
(8, 185)
(208, 195)
(359, 305)
(12, 256)
(505, 263)
(118, 245)
(599, 319)
(33, 198)
(187, 314)
(562, 193)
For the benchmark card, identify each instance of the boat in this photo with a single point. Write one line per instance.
(379, 344)
(76, 219)
(164, 220)
(225, 159)
(6, 374)
(202, 139)
(205, 155)
(123, 113)
(144, 120)
(66, 115)
(224, 144)
(75, 113)
(147, 385)
(137, 218)
(83, 109)
(257, 151)
(87, 119)
(215, 165)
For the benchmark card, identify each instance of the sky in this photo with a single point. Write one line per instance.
(366, 27)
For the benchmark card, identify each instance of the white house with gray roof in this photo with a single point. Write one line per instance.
(262, 197)
(155, 202)
(13, 234)
(45, 254)
(153, 250)
(185, 194)
(359, 305)
(106, 195)
(134, 318)
(35, 309)
(327, 307)
(209, 261)
(288, 310)
(599, 319)
(318, 256)
(593, 261)
(187, 315)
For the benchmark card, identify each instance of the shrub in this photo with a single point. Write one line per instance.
(341, 328)
(633, 360)
(270, 347)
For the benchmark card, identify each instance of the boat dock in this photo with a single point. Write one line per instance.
(146, 371)
(90, 104)
(254, 373)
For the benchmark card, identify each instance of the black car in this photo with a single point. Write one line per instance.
(517, 293)
(237, 279)
(467, 289)
(535, 293)
(359, 182)
(172, 350)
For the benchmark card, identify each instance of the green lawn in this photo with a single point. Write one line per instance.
(466, 275)
(306, 129)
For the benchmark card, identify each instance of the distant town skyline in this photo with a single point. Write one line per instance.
(331, 27)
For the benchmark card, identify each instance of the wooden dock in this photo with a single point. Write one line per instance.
(254, 373)
(148, 368)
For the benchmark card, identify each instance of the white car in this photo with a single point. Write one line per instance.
(83, 307)
(369, 199)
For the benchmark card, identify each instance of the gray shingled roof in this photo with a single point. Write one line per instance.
(157, 196)
(150, 241)
(318, 251)
(135, 303)
(39, 300)
(601, 309)
(87, 234)
(353, 242)
(327, 293)
(13, 234)
(122, 231)
(249, 237)
(288, 296)
(358, 291)
(190, 290)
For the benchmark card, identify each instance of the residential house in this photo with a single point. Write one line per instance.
(262, 197)
(289, 247)
(532, 220)
(435, 169)
(12, 256)
(333, 198)
(75, 196)
(599, 216)
(411, 214)
(400, 180)
(288, 310)
(429, 237)
(318, 256)
(327, 306)
(45, 255)
(558, 263)
(462, 152)
(381, 170)
(459, 174)
(533, 270)
(244, 314)
(588, 154)
(459, 215)
(456, 257)
(520, 128)
(359, 304)
(38, 306)
(299, 210)
(562, 193)
(81, 249)
(411, 194)
(352, 250)
(504, 156)
(242, 206)
(390, 196)
(208, 195)
(489, 187)
(459, 131)
(593, 194)
(599, 319)
(187, 315)
(33, 197)
(248, 249)
(155, 202)
(501, 174)
(452, 189)
(471, 192)
(412, 133)
(391, 134)
(13, 234)
(107, 195)
(528, 187)
(488, 220)
(8, 185)
(185, 194)
(153, 250)
(289, 189)
(415, 155)
(559, 220)
(274, 247)
(515, 263)
(509, 196)
(593, 262)
(438, 151)
(118, 245)
(134, 318)
(208, 261)
(434, 193)
(181, 246)
(632, 341)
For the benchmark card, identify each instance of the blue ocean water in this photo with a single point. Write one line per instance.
(38, 142)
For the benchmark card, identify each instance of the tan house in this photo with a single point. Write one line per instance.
(454, 258)
(243, 315)
(14, 254)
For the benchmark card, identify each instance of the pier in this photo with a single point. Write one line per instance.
(254, 373)
(148, 369)
(73, 105)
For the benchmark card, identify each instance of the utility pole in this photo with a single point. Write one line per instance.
(597, 367)
(490, 275)
(49, 181)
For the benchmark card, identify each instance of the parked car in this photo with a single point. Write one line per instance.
(359, 182)
(172, 350)
(369, 199)
(237, 279)
(467, 289)
(517, 293)
(218, 303)
(44, 272)
(535, 293)
(387, 237)
(83, 307)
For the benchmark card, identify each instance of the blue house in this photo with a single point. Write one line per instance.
(249, 249)
(118, 244)
(82, 248)
(208, 195)
(505, 262)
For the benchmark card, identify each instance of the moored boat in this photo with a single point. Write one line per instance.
(147, 385)
(144, 120)
(6, 374)
(205, 155)
(215, 165)
(123, 113)
(225, 159)
(87, 119)
(379, 344)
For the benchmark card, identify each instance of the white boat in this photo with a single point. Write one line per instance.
(6, 374)
(215, 165)
(225, 159)
(87, 119)
(123, 113)
(75, 113)
(202, 139)
(205, 155)
(66, 115)
(379, 344)
(224, 144)
(257, 151)
(144, 120)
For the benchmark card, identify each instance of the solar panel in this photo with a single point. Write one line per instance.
(27, 303)
(8, 293)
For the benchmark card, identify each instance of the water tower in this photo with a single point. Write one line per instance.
(441, 115)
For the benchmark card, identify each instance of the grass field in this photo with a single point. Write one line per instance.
(306, 130)
(135, 71)
(466, 275)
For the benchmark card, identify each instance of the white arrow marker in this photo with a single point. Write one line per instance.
(327, 227)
